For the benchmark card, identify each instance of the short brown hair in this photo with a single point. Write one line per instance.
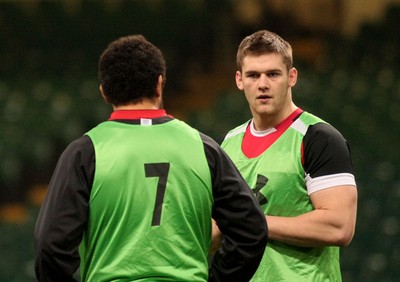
(264, 42)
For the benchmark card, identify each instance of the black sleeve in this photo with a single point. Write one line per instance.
(220, 139)
(239, 218)
(64, 213)
(326, 151)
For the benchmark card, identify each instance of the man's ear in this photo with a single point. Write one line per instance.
(292, 77)
(239, 81)
(159, 87)
(103, 94)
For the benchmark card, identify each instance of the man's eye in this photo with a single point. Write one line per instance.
(253, 75)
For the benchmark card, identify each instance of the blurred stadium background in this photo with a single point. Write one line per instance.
(347, 54)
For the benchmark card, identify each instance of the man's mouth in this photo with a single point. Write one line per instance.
(264, 97)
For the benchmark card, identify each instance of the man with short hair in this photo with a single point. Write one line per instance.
(298, 165)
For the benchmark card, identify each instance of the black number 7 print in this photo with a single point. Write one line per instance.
(161, 171)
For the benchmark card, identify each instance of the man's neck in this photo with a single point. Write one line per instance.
(145, 104)
(267, 122)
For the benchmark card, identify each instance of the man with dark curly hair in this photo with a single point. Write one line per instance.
(133, 199)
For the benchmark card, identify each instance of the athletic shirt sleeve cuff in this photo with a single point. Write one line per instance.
(328, 181)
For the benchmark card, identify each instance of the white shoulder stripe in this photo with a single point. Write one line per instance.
(328, 181)
(236, 131)
(300, 126)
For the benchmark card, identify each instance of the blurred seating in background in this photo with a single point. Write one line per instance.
(49, 96)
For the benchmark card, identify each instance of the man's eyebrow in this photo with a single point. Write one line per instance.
(265, 71)
(251, 72)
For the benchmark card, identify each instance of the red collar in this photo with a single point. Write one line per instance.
(289, 120)
(254, 146)
(137, 114)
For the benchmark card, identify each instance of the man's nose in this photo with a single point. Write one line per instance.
(263, 82)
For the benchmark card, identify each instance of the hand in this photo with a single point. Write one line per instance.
(216, 238)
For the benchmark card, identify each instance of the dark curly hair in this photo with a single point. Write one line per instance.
(129, 69)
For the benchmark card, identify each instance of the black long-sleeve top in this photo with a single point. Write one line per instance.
(63, 218)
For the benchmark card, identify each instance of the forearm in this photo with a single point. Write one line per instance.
(49, 268)
(56, 250)
(56, 259)
(331, 223)
(312, 229)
